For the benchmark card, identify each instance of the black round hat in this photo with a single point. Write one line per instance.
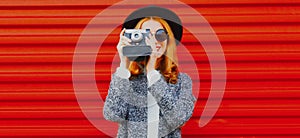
(169, 16)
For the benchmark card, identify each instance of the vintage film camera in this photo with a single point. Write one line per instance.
(138, 50)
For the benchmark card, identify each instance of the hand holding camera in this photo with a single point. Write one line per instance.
(137, 49)
(123, 41)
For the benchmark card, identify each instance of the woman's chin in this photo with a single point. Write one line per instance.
(159, 55)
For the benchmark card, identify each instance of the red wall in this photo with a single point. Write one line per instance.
(261, 44)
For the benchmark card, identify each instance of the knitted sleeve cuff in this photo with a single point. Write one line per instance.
(152, 77)
(123, 73)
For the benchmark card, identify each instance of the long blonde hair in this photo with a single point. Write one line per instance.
(167, 63)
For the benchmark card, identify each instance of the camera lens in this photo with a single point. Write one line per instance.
(137, 36)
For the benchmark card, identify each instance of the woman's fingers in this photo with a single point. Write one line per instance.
(123, 39)
(125, 43)
(151, 41)
(126, 39)
(122, 32)
(148, 41)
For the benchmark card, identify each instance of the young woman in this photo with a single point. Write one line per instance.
(151, 98)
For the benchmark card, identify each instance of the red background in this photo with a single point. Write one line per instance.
(261, 44)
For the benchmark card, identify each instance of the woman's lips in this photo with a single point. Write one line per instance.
(158, 47)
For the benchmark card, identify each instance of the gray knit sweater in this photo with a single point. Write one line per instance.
(126, 104)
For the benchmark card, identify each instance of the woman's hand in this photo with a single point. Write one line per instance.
(154, 55)
(123, 41)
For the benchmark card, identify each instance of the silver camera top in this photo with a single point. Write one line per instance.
(136, 35)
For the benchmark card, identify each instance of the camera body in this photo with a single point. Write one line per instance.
(138, 50)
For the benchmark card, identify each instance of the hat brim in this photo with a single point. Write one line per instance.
(169, 16)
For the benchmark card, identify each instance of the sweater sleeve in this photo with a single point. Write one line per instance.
(176, 103)
(115, 106)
